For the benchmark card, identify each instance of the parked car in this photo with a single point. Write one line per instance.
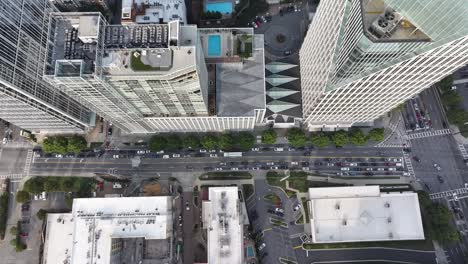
(213, 155)
(345, 169)
(176, 155)
(440, 178)
(261, 247)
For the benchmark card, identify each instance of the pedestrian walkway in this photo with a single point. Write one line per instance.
(463, 151)
(409, 165)
(17, 144)
(448, 194)
(432, 133)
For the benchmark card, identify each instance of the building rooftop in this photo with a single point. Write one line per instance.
(74, 38)
(153, 11)
(238, 55)
(95, 222)
(224, 224)
(349, 214)
(383, 23)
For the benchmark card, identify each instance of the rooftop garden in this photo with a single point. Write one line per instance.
(244, 46)
(138, 65)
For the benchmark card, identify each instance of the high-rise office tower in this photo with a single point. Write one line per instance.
(361, 58)
(25, 99)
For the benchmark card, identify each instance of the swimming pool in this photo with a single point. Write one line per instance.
(214, 45)
(250, 252)
(222, 7)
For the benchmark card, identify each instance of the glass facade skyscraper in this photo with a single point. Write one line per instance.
(25, 99)
(362, 58)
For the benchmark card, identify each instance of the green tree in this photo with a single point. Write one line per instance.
(376, 134)
(296, 137)
(226, 141)
(209, 142)
(340, 138)
(191, 142)
(451, 98)
(76, 144)
(13, 231)
(157, 143)
(52, 184)
(173, 142)
(60, 145)
(320, 140)
(440, 227)
(246, 140)
(358, 137)
(269, 136)
(34, 185)
(446, 83)
(22, 196)
(67, 184)
(48, 145)
(41, 214)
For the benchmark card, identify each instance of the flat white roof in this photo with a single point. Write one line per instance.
(154, 11)
(94, 222)
(350, 214)
(58, 239)
(224, 224)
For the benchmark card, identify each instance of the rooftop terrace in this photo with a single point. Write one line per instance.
(153, 11)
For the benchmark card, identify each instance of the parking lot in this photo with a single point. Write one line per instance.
(274, 241)
(136, 36)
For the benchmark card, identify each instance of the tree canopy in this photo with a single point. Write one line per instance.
(76, 144)
(34, 185)
(269, 136)
(191, 142)
(22, 196)
(296, 137)
(340, 138)
(246, 140)
(376, 134)
(157, 143)
(52, 184)
(226, 142)
(320, 140)
(173, 142)
(358, 137)
(209, 142)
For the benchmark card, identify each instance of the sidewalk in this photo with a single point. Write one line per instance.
(360, 182)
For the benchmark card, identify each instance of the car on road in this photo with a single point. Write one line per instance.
(278, 149)
(369, 169)
(218, 169)
(176, 155)
(287, 52)
(24, 234)
(281, 210)
(255, 149)
(187, 207)
(270, 163)
(380, 169)
(234, 169)
(345, 169)
(213, 155)
(297, 207)
(25, 207)
(261, 247)
(294, 163)
(440, 178)
(222, 164)
(202, 150)
(353, 164)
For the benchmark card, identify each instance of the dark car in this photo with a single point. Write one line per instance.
(441, 180)
(417, 159)
(287, 52)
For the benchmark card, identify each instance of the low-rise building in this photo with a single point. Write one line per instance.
(223, 220)
(363, 213)
(153, 11)
(111, 230)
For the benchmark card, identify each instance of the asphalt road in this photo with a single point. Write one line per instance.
(150, 166)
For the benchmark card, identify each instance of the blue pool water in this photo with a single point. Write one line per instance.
(250, 252)
(222, 7)
(214, 45)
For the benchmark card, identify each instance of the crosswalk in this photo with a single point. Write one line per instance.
(432, 133)
(450, 193)
(13, 177)
(27, 165)
(409, 165)
(17, 144)
(463, 151)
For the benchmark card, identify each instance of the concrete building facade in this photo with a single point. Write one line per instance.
(153, 78)
(362, 58)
